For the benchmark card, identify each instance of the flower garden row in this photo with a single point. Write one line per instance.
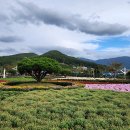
(103, 85)
(97, 81)
(114, 87)
(3, 81)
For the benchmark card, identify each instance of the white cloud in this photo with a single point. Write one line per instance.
(108, 53)
(98, 14)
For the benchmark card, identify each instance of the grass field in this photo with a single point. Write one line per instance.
(65, 109)
(22, 79)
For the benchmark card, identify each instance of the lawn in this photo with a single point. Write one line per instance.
(22, 79)
(65, 109)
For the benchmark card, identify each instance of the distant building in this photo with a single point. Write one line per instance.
(84, 68)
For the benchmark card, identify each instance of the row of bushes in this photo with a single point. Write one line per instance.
(32, 89)
(13, 83)
(61, 83)
(98, 81)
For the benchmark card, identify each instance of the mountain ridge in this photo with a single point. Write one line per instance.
(54, 54)
(124, 60)
(14, 59)
(63, 58)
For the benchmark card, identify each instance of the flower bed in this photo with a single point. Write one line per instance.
(94, 80)
(114, 87)
(99, 82)
(3, 81)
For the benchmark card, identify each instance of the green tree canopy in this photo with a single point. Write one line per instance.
(38, 67)
(114, 66)
(66, 71)
(128, 75)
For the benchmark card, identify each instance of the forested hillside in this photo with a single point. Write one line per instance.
(14, 59)
(62, 58)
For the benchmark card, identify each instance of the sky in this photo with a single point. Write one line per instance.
(92, 29)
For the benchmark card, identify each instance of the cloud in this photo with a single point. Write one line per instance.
(86, 53)
(8, 51)
(33, 14)
(10, 39)
(3, 18)
(42, 50)
(107, 53)
(80, 29)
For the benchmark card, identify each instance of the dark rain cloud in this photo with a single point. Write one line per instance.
(9, 39)
(33, 14)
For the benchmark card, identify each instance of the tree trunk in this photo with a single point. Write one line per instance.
(40, 76)
(39, 80)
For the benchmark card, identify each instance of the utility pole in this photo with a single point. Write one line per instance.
(125, 71)
(4, 73)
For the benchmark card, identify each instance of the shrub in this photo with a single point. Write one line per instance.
(62, 83)
(13, 83)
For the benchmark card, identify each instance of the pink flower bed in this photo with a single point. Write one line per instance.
(114, 87)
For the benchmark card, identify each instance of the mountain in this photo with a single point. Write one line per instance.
(13, 59)
(84, 59)
(62, 58)
(124, 60)
(54, 54)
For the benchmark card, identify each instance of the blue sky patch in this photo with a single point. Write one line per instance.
(114, 42)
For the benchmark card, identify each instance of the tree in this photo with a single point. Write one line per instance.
(114, 67)
(128, 75)
(38, 67)
(12, 72)
(66, 71)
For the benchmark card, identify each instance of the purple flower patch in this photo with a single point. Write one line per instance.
(114, 87)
